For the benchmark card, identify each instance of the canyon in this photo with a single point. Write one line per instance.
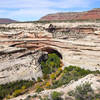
(21, 45)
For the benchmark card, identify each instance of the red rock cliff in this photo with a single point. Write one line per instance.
(89, 15)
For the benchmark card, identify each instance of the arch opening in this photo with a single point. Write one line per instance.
(50, 60)
(46, 51)
(51, 50)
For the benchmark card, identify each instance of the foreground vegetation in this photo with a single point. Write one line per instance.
(71, 73)
(82, 92)
(14, 89)
(53, 77)
(56, 79)
(61, 77)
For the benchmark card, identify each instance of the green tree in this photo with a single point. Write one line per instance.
(51, 64)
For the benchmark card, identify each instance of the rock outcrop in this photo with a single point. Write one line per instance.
(87, 15)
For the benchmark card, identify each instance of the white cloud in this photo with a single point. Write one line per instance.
(43, 3)
(32, 9)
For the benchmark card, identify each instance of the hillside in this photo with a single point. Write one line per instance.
(6, 21)
(87, 15)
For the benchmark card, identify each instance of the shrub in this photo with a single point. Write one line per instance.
(53, 76)
(47, 84)
(71, 93)
(9, 88)
(58, 72)
(45, 76)
(34, 96)
(8, 97)
(56, 96)
(97, 95)
(23, 87)
(17, 92)
(45, 69)
(39, 79)
(83, 92)
(39, 89)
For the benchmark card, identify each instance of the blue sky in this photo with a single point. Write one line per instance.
(29, 10)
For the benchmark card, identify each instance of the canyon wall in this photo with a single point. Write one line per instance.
(87, 15)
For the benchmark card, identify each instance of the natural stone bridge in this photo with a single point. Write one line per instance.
(20, 52)
(19, 58)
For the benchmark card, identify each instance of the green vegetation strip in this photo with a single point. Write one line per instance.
(14, 88)
(71, 73)
(65, 76)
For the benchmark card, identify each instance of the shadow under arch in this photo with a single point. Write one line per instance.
(52, 50)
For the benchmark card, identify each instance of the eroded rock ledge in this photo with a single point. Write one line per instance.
(21, 45)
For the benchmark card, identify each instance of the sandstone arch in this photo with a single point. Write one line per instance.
(46, 51)
(52, 50)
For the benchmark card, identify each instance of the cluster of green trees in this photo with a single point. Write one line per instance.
(51, 64)
(14, 88)
(62, 77)
(71, 73)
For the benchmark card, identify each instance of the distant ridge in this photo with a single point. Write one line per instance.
(87, 15)
(6, 21)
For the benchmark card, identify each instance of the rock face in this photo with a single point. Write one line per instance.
(89, 15)
(13, 68)
(22, 44)
(6, 21)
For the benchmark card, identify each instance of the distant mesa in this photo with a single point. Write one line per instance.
(93, 14)
(6, 21)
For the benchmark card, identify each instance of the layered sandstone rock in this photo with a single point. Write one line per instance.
(89, 15)
(20, 49)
